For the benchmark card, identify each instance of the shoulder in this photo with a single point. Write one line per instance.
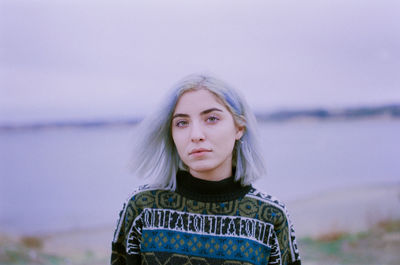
(266, 198)
(271, 208)
(142, 197)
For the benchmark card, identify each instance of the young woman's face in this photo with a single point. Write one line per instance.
(204, 134)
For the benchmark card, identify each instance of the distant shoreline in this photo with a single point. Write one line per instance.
(316, 114)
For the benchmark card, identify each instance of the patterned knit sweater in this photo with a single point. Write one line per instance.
(203, 222)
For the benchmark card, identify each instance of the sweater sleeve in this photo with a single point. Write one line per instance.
(285, 243)
(125, 245)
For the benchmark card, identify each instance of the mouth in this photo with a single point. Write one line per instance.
(199, 152)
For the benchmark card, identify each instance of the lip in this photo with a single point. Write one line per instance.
(199, 151)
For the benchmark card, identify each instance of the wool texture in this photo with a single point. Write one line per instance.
(204, 222)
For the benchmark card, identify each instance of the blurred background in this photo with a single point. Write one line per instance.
(322, 77)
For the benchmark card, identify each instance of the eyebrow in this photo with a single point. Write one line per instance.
(201, 113)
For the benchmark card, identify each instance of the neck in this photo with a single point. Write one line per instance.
(216, 174)
(209, 191)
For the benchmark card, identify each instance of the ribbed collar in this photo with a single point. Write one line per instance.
(209, 191)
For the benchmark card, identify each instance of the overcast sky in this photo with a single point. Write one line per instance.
(63, 59)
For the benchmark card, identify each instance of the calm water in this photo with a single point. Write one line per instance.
(76, 178)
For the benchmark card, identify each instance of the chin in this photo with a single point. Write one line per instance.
(201, 167)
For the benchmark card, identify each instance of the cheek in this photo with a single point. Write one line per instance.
(225, 140)
(225, 134)
(179, 141)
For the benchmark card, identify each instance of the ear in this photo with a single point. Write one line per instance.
(239, 132)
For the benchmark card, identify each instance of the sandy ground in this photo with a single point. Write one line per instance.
(343, 211)
(349, 210)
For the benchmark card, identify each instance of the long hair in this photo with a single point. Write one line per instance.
(155, 156)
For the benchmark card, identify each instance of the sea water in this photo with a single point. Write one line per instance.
(60, 179)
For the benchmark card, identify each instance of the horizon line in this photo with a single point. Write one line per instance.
(284, 114)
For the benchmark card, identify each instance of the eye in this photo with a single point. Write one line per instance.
(181, 123)
(212, 119)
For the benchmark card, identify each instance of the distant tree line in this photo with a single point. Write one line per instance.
(323, 114)
(392, 111)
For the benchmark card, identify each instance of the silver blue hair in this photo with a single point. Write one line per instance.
(156, 156)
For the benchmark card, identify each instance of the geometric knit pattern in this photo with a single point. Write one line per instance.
(204, 246)
(163, 227)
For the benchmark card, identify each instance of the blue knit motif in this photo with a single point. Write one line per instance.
(219, 247)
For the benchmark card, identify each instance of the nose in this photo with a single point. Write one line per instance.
(197, 133)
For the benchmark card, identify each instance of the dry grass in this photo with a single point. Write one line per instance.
(32, 242)
(331, 236)
(379, 245)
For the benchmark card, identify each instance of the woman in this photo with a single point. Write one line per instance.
(201, 151)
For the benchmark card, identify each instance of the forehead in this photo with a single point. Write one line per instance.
(200, 99)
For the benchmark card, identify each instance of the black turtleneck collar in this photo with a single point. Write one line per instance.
(209, 191)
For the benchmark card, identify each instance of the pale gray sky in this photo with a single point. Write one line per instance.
(64, 59)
